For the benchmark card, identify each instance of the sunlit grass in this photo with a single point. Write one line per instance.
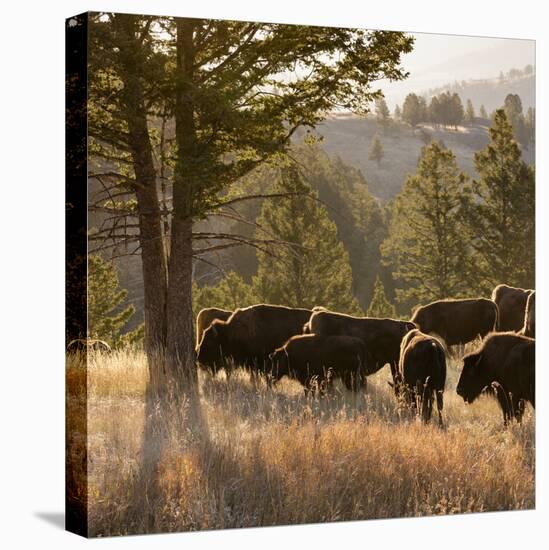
(277, 457)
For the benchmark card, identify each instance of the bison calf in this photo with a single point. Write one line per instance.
(382, 337)
(311, 357)
(504, 365)
(422, 373)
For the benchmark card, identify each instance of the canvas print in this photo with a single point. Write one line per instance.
(300, 271)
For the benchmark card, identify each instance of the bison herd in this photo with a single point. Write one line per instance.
(317, 346)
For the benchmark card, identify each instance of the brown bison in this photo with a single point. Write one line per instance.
(529, 328)
(511, 304)
(382, 337)
(422, 373)
(249, 335)
(205, 318)
(311, 358)
(457, 321)
(505, 366)
(88, 344)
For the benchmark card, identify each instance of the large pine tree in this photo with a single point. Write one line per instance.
(499, 210)
(313, 268)
(425, 247)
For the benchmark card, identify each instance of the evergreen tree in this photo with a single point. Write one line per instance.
(106, 315)
(513, 111)
(397, 113)
(315, 270)
(425, 247)
(230, 293)
(469, 112)
(482, 112)
(446, 108)
(455, 112)
(530, 123)
(499, 211)
(360, 220)
(434, 111)
(382, 111)
(414, 109)
(380, 306)
(376, 150)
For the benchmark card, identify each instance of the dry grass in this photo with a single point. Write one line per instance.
(276, 457)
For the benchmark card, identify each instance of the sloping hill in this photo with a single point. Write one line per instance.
(350, 137)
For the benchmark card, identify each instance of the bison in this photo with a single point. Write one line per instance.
(311, 357)
(511, 304)
(382, 337)
(529, 328)
(457, 321)
(205, 318)
(249, 335)
(422, 373)
(88, 344)
(505, 366)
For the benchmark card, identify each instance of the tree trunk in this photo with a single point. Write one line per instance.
(153, 253)
(180, 333)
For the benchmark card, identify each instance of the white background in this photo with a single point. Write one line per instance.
(32, 271)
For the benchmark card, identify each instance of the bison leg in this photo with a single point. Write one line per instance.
(427, 404)
(517, 407)
(440, 405)
(504, 403)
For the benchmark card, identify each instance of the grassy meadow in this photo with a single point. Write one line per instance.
(277, 457)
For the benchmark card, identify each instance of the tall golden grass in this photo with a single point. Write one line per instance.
(274, 457)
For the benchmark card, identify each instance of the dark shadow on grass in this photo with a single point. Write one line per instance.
(57, 519)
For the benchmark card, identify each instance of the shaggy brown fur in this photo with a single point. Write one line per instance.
(511, 303)
(422, 373)
(505, 365)
(382, 337)
(310, 358)
(249, 335)
(457, 321)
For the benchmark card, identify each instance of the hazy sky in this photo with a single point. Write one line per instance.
(439, 59)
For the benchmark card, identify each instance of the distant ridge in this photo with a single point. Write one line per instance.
(491, 92)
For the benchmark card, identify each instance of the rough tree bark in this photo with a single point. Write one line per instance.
(153, 255)
(180, 337)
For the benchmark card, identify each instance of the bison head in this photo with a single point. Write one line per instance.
(279, 364)
(471, 381)
(210, 350)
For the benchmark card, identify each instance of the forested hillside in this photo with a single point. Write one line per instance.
(343, 192)
(353, 188)
(351, 137)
